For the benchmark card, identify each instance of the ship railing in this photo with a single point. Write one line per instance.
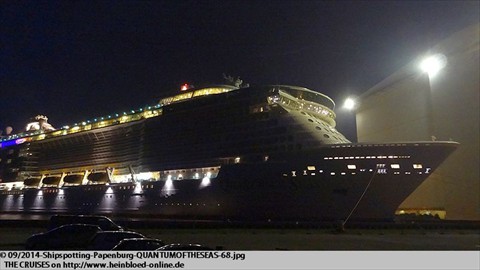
(307, 94)
(286, 100)
(308, 105)
(197, 93)
(96, 123)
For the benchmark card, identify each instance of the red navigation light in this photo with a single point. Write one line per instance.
(185, 87)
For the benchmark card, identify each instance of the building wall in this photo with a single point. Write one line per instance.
(409, 106)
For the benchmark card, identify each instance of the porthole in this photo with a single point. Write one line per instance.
(319, 128)
(326, 136)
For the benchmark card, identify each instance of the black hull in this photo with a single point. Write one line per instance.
(306, 187)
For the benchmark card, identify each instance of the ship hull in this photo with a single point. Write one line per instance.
(338, 182)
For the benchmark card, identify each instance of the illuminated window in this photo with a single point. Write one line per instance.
(351, 167)
(382, 171)
(311, 168)
(237, 160)
(395, 166)
(74, 129)
(417, 166)
(210, 91)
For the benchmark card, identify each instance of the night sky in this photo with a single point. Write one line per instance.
(76, 60)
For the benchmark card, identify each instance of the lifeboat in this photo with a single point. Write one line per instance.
(98, 177)
(31, 182)
(73, 179)
(51, 180)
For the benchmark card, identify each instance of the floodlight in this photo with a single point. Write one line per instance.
(349, 104)
(433, 64)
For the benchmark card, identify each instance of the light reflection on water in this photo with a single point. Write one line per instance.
(25, 217)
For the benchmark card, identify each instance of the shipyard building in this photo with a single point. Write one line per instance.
(442, 104)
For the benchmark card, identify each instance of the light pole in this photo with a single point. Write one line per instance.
(347, 112)
(432, 65)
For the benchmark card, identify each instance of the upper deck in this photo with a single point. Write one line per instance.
(302, 93)
(306, 101)
(290, 96)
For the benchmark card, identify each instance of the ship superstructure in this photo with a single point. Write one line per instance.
(267, 152)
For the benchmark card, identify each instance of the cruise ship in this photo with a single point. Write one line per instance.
(214, 153)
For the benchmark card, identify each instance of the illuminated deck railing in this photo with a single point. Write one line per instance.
(110, 120)
(197, 93)
(295, 97)
(306, 100)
